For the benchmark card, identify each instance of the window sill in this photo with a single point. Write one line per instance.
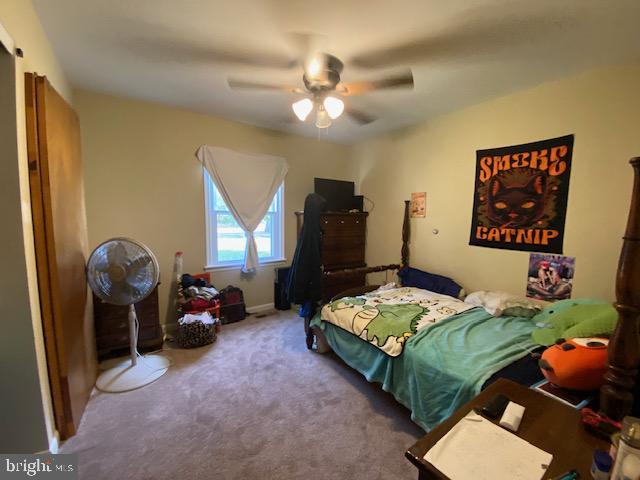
(238, 266)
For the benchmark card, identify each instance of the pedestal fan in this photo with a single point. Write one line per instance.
(122, 271)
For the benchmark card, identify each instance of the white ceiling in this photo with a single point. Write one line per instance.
(180, 52)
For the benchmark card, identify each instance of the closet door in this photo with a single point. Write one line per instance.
(60, 234)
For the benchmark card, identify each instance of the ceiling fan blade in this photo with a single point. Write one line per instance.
(404, 80)
(163, 43)
(359, 116)
(250, 59)
(307, 43)
(184, 52)
(248, 85)
(309, 48)
(478, 32)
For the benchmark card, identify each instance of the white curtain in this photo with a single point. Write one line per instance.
(247, 183)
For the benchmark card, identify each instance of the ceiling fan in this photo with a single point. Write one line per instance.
(479, 32)
(323, 88)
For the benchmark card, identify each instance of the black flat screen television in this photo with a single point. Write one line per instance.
(337, 193)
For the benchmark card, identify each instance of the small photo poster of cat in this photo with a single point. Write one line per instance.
(520, 198)
(418, 205)
(550, 277)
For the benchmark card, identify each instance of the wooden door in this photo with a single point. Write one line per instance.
(60, 233)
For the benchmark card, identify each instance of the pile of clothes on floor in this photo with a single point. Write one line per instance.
(199, 312)
(196, 294)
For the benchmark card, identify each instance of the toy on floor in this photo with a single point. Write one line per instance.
(576, 364)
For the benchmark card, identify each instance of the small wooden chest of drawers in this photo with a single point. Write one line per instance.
(343, 246)
(112, 326)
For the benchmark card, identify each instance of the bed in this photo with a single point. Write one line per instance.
(442, 366)
(448, 359)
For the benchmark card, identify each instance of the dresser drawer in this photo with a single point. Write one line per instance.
(347, 241)
(342, 257)
(343, 225)
(115, 320)
(105, 310)
(121, 339)
(113, 325)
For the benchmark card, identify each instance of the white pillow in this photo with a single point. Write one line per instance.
(503, 303)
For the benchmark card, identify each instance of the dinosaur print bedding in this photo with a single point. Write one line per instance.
(387, 318)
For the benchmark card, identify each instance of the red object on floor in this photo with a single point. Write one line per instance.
(213, 307)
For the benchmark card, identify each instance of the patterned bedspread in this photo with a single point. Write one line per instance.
(386, 318)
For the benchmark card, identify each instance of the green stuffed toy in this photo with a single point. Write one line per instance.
(578, 318)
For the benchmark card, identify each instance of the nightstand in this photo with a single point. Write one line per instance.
(547, 424)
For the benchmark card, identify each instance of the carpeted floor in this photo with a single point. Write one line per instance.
(254, 405)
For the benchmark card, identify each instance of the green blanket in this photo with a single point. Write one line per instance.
(444, 365)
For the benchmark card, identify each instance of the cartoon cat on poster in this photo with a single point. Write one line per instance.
(521, 195)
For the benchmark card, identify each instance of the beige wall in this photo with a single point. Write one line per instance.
(599, 107)
(143, 181)
(19, 19)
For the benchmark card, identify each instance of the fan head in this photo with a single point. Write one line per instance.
(322, 73)
(122, 271)
(322, 79)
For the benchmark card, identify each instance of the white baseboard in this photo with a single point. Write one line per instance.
(261, 308)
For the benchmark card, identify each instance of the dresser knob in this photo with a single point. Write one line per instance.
(341, 221)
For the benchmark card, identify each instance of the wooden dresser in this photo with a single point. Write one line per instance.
(343, 246)
(112, 326)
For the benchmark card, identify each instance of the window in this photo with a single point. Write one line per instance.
(226, 241)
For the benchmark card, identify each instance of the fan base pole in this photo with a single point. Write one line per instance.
(133, 335)
(126, 376)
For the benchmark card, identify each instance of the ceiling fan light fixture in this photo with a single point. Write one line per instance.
(333, 106)
(323, 120)
(302, 108)
(313, 67)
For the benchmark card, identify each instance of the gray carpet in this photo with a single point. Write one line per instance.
(254, 405)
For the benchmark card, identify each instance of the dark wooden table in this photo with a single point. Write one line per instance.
(547, 423)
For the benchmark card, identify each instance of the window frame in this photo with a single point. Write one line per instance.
(211, 228)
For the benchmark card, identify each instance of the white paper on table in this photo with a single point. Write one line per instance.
(476, 449)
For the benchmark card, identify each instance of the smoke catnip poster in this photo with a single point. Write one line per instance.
(521, 194)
